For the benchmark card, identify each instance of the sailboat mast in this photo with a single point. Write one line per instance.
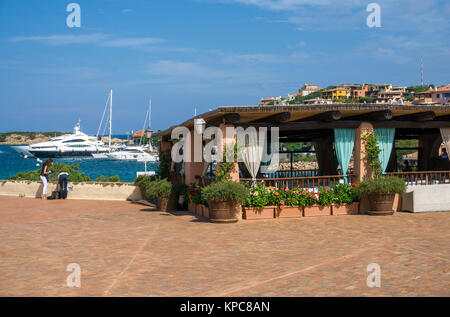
(110, 118)
(150, 113)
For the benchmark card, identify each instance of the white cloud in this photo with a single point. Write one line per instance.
(63, 39)
(279, 5)
(132, 42)
(99, 39)
(127, 10)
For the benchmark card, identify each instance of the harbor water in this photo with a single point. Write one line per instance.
(12, 163)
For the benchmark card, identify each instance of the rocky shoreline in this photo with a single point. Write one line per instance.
(19, 139)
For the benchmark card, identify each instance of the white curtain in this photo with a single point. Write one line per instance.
(445, 132)
(252, 155)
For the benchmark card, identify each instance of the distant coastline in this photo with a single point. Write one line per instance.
(26, 138)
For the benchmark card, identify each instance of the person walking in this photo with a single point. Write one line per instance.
(45, 171)
(63, 178)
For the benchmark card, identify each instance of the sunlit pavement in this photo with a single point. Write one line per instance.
(126, 249)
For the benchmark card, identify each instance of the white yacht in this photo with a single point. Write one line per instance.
(132, 153)
(77, 144)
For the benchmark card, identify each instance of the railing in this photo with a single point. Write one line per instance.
(298, 173)
(313, 183)
(293, 173)
(423, 178)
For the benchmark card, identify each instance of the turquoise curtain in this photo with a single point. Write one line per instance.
(344, 141)
(385, 143)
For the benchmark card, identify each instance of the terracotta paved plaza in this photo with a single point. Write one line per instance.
(127, 249)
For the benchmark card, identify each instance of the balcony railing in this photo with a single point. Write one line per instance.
(423, 178)
(313, 183)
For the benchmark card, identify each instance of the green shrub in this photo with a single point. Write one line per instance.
(180, 188)
(159, 189)
(258, 196)
(110, 179)
(345, 194)
(56, 168)
(142, 181)
(225, 191)
(382, 185)
(194, 195)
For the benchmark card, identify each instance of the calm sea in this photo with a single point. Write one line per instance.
(11, 163)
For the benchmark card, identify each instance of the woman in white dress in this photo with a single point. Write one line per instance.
(45, 171)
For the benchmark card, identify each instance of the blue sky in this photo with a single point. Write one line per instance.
(201, 53)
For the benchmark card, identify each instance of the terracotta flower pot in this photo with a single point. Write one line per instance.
(289, 212)
(381, 204)
(224, 211)
(143, 193)
(351, 209)
(259, 213)
(168, 203)
(317, 210)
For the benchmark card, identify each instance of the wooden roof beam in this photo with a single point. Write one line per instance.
(419, 116)
(231, 118)
(276, 118)
(328, 116)
(382, 115)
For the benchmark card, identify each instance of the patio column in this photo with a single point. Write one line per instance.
(165, 147)
(361, 166)
(228, 140)
(325, 155)
(425, 157)
(193, 169)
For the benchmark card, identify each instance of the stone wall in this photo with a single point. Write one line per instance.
(88, 190)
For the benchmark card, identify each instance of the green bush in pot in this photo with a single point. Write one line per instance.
(382, 185)
(162, 191)
(225, 200)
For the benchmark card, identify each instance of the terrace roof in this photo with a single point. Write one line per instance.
(325, 116)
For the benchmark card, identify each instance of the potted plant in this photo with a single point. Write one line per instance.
(381, 192)
(288, 202)
(195, 199)
(225, 200)
(346, 199)
(142, 182)
(316, 204)
(257, 205)
(162, 191)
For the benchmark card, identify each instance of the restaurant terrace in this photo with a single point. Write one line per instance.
(336, 131)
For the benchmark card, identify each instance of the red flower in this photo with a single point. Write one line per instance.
(282, 202)
(326, 191)
(295, 192)
(354, 185)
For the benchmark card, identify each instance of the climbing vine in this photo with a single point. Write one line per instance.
(223, 172)
(373, 150)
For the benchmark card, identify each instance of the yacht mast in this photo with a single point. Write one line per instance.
(150, 113)
(110, 117)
